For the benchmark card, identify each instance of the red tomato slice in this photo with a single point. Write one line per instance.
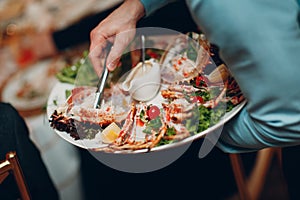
(153, 112)
(201, 81)
(139, 122)
(197, 99)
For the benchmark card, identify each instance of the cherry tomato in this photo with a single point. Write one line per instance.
(139, 122)
(197, 99)
(201, 81)
(153, 112)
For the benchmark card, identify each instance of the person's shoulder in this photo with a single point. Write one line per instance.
(6, 107)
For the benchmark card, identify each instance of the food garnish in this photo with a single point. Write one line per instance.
(153, 112)
(110, 133)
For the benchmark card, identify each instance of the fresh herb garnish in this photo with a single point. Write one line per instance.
(154, 125)
(68, 93)
(55, 102)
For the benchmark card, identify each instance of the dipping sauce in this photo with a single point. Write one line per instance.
(143, 83)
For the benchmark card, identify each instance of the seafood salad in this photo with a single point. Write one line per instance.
(191, 98)
(78, 117)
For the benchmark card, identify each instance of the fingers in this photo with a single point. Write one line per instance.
(120, 44)
(96, 59)
(98, 43)
(112, 29)
(98, 53)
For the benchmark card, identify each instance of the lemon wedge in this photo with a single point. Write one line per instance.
(110, 133)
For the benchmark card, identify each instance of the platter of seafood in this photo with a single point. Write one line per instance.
(168, 100)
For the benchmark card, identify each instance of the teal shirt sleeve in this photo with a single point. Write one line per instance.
(152, 5)
(260, 43)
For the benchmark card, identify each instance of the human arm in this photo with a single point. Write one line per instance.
(260, 43)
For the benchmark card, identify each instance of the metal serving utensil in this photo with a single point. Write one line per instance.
(143, 53)
(102, 80)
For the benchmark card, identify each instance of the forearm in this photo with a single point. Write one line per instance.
(264, 58)
(137, 9)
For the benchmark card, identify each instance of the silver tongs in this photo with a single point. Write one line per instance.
(102, 81)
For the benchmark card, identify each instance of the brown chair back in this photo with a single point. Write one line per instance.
(12, 166)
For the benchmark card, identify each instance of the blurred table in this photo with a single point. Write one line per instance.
(61, 158)
(45, 14)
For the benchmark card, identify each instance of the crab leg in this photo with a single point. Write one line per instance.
(162, 132)
(124, 135)
(167, 94)
(182, 88)
(148, 144)
(215, 102)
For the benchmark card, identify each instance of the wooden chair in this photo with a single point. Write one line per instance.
(251, 188)
(11, 166)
